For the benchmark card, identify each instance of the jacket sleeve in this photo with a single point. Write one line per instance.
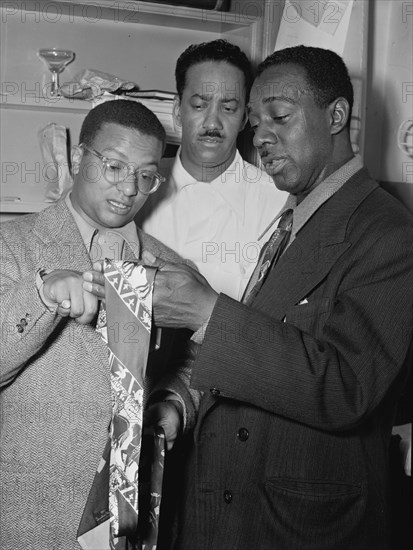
(176, 380)
(26, 323)
(332, 381)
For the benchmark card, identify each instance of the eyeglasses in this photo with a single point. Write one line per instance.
(116, 171)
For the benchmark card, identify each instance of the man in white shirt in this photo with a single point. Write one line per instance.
(215, 208)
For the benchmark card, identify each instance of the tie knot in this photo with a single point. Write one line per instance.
(286, 219)
(106, 244)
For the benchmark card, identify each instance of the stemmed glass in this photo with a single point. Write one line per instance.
(56, 61)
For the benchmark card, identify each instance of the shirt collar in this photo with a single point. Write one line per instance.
(182, 177)
(88, 232)
(326, 189)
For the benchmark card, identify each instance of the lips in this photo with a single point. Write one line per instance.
(119, 207)
(275, 165)
(210, 139)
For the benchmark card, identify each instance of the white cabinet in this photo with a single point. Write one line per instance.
(137, 41)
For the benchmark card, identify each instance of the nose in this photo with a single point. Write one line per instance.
(264, 135)
(129, 185)
(212, 120)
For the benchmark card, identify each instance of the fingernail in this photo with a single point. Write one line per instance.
(88, 276)
(88, 286)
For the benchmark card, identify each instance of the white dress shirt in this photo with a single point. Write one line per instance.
(215, 224)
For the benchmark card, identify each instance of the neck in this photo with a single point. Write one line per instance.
(207, 172)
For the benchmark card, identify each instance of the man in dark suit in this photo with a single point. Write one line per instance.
(55, 391)
(300, 379)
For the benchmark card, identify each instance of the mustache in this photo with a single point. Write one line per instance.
(263, 151)
(212, 134)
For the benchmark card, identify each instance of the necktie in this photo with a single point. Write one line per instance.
(269, 255)
(106, 244)
(125, 325)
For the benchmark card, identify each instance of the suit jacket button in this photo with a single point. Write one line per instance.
(227, 496)
(20, 328)
(243, 434)
(215, 392)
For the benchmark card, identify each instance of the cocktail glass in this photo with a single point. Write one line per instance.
(56, 61)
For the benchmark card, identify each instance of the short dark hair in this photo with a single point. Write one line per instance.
(124, 112)
(217, 50)
(326, 73)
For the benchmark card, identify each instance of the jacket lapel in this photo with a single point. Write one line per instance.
(63, 248)
(308, 259)
(317, 247)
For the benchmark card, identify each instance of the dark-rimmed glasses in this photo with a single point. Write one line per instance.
(116, 171)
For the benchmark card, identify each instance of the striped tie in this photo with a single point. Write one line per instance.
(269, 255)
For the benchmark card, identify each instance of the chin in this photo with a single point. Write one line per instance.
(113, 222)
(279, 181)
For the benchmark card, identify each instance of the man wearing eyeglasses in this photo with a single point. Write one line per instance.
(55, 399)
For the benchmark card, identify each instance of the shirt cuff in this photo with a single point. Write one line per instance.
(199, 335)
(170, 395)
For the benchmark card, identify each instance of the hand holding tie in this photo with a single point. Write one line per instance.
(182, 297)
(65, 288)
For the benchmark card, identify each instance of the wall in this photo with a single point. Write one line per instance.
(390, 95)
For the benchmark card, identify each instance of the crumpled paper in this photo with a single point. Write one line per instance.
(89, 84)
(53, 146)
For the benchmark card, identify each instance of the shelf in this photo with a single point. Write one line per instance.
(21, 198)
(162, 109)
(37, 103)
(64, 104)
(135, 40)
(22, 207)
(144, 13)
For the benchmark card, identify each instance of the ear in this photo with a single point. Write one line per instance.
(76, 155)
(176, 111)
(244, 120)
(339, 111)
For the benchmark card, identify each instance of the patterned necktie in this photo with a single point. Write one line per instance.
(125, 326)
(269, 255)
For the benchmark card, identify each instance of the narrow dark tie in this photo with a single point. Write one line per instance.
(269, 255)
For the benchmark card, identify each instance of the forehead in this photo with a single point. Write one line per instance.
(215, 77)
(116, 137)
(285, 82)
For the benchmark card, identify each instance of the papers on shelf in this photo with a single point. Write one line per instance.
(152, 94)
(323, 24)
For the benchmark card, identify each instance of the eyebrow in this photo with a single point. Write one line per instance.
(278, 98)
(273, 98)
(207, 97)
(108, 151)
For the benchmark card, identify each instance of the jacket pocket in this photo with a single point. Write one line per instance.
(315, 514)
(310, 309)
